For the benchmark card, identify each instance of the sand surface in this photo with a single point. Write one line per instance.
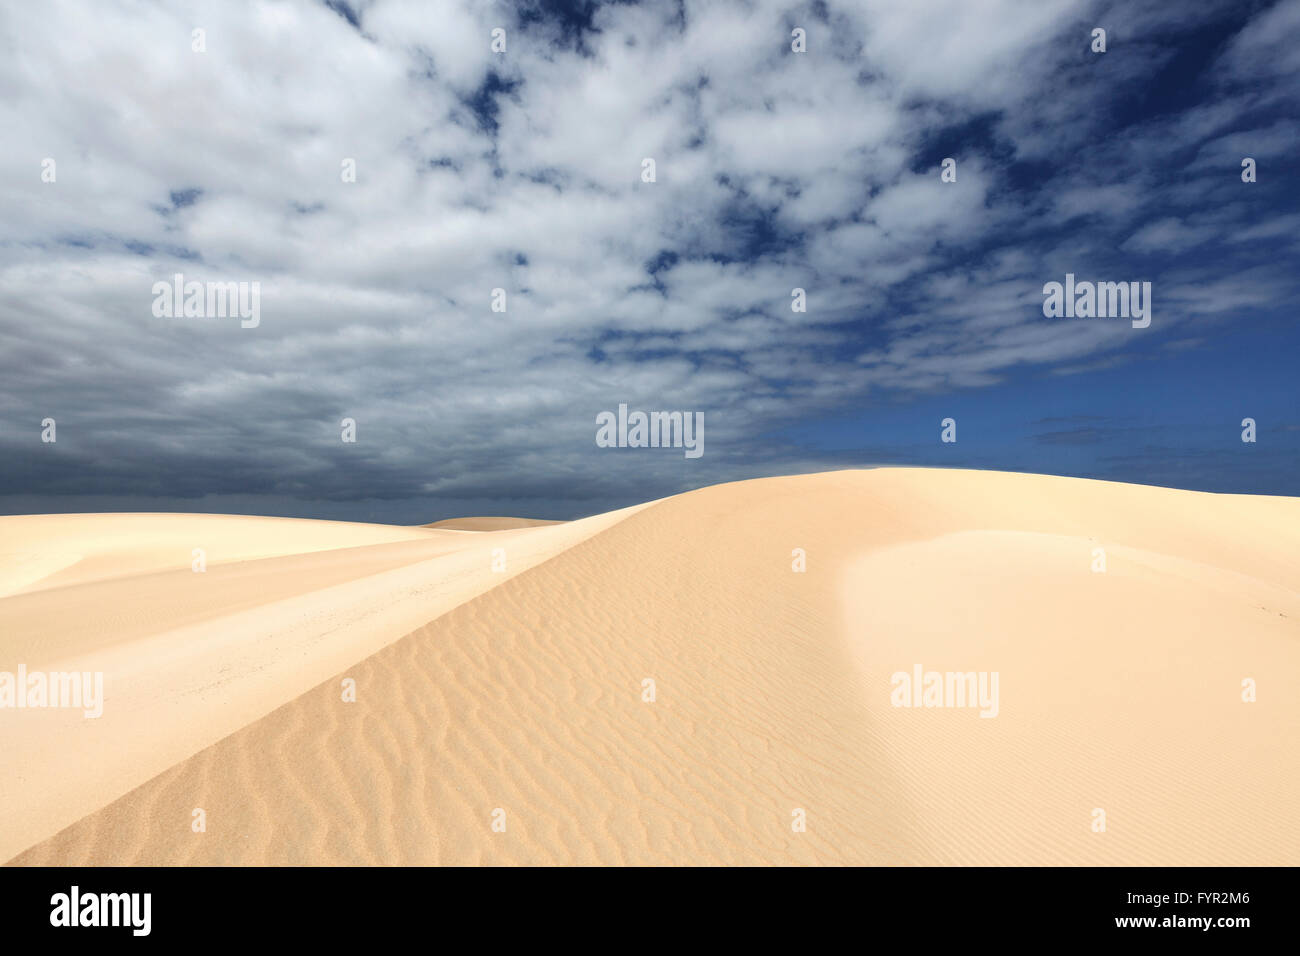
(190, 657)
(519, 696)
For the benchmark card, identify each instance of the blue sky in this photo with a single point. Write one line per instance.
(521, 170)
(1169, 419)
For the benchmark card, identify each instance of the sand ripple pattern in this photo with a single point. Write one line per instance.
(772, 691)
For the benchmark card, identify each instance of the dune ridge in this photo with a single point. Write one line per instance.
(1120, 690)
(488, 523)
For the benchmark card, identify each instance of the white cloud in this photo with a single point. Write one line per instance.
(775, 170)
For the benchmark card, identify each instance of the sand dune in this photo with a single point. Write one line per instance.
(45, 551)
(190, 657)
(488, 524)
(1119, 690)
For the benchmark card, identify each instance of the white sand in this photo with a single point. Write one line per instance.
(477, 691)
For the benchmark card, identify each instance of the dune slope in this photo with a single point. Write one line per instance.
(188, 657)
(1119, 690)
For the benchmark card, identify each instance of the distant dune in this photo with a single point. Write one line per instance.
(488, 524)
(1120, 622)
